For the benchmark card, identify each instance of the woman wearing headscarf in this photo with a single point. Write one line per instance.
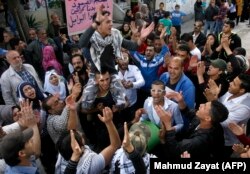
(50, 60)
(55, 84)
(26, 90)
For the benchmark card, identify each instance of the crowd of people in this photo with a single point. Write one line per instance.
(108, 100)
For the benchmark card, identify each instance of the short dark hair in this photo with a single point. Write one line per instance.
(45, 106)
(219, 112)
(177, 5)
(158, 82)
(64, 144)
(184, 47)
(187, 37)
(103, 71)
(103, 13)
(245, 81)
(76, 55)
(161, 3)
(240, 51)
(166, 14)
(14, 42)
(230, 23)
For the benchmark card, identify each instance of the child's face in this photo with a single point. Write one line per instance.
(54, 80)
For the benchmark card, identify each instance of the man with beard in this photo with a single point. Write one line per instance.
(132, 80)
(79, 74)
(199, 38)
(16, 73)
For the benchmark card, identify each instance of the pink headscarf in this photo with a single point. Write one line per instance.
(49, 59)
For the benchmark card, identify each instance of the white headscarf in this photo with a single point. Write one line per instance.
(52, 89)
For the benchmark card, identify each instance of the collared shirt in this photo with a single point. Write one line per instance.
(26, 76)
(195, 36)
(134, 75)
(169, 105)
(238, 113)
(24, 169)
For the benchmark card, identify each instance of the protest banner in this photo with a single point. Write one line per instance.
(79, 13)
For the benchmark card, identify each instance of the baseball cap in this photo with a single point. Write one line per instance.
(219, 63)
(139, 134)
(12, 143)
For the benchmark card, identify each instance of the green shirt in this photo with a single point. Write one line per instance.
(167, 23)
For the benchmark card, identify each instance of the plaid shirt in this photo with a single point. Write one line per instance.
(26, 76)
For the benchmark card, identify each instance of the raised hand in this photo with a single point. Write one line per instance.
(177, 96)
(214, 87)
(167, 59)
(163, 33)
(201, 69)
(239, 148)
(76, 90)
(77, 150)
(208, 93)
(99, 17)
(126, 143)
(76, 78)
(138, 114)
(70, 84)
(173, 31)
(146, 31)
(165, 116)
(27, 117)
(107, 115)
(236, 129)
(133, 28)
(70, 102)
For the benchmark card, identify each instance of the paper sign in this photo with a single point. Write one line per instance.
(79, 13)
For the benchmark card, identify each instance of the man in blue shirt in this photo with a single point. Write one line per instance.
(177, 16)
(149, 65)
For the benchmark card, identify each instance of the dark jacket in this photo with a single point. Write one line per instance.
(200, 41)
(210, 12)
(235, 41)
(200, 143)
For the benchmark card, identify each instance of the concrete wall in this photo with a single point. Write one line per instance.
(187, 6)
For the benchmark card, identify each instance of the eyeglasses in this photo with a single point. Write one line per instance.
(158, 91)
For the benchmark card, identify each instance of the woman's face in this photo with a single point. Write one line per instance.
(29, 92)
(126, 27)
(54, 80)
(211, 40)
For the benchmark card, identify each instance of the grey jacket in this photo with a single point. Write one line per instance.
(10, 80)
